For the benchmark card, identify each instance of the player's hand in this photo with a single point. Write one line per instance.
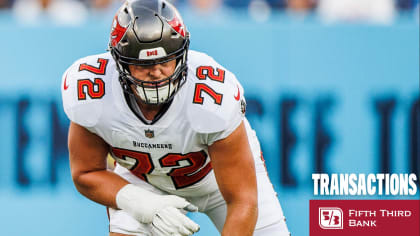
(161, 210)
(170, 221)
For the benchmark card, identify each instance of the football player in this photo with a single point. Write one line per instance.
(173, 120)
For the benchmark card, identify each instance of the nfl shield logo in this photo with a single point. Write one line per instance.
(149, 133)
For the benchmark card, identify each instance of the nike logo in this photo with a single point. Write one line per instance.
(66, 86)
(238, 95)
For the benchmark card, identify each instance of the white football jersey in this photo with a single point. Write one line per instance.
(172, 152)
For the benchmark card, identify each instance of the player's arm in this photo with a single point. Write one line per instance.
(234, 169)
(88, 154)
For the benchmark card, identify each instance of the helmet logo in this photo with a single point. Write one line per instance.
(177, 25)
(152, 53)
(117, 32)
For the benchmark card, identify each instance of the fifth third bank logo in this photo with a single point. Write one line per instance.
(330, 218)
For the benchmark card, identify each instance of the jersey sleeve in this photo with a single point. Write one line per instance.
(79, 107)
(233, 117)
(218, 104)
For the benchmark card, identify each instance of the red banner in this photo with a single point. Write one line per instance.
(364, 217)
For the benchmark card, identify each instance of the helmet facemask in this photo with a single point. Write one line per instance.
(158, 91)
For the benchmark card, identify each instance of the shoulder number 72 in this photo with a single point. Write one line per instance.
(202, 73)
(95, 89)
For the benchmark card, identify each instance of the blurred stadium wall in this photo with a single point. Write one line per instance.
(336, 98)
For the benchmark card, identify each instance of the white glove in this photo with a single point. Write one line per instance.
(160, 210)
(170, 221)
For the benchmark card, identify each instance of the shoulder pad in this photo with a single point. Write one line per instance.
(84, 87)
(217, 96)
